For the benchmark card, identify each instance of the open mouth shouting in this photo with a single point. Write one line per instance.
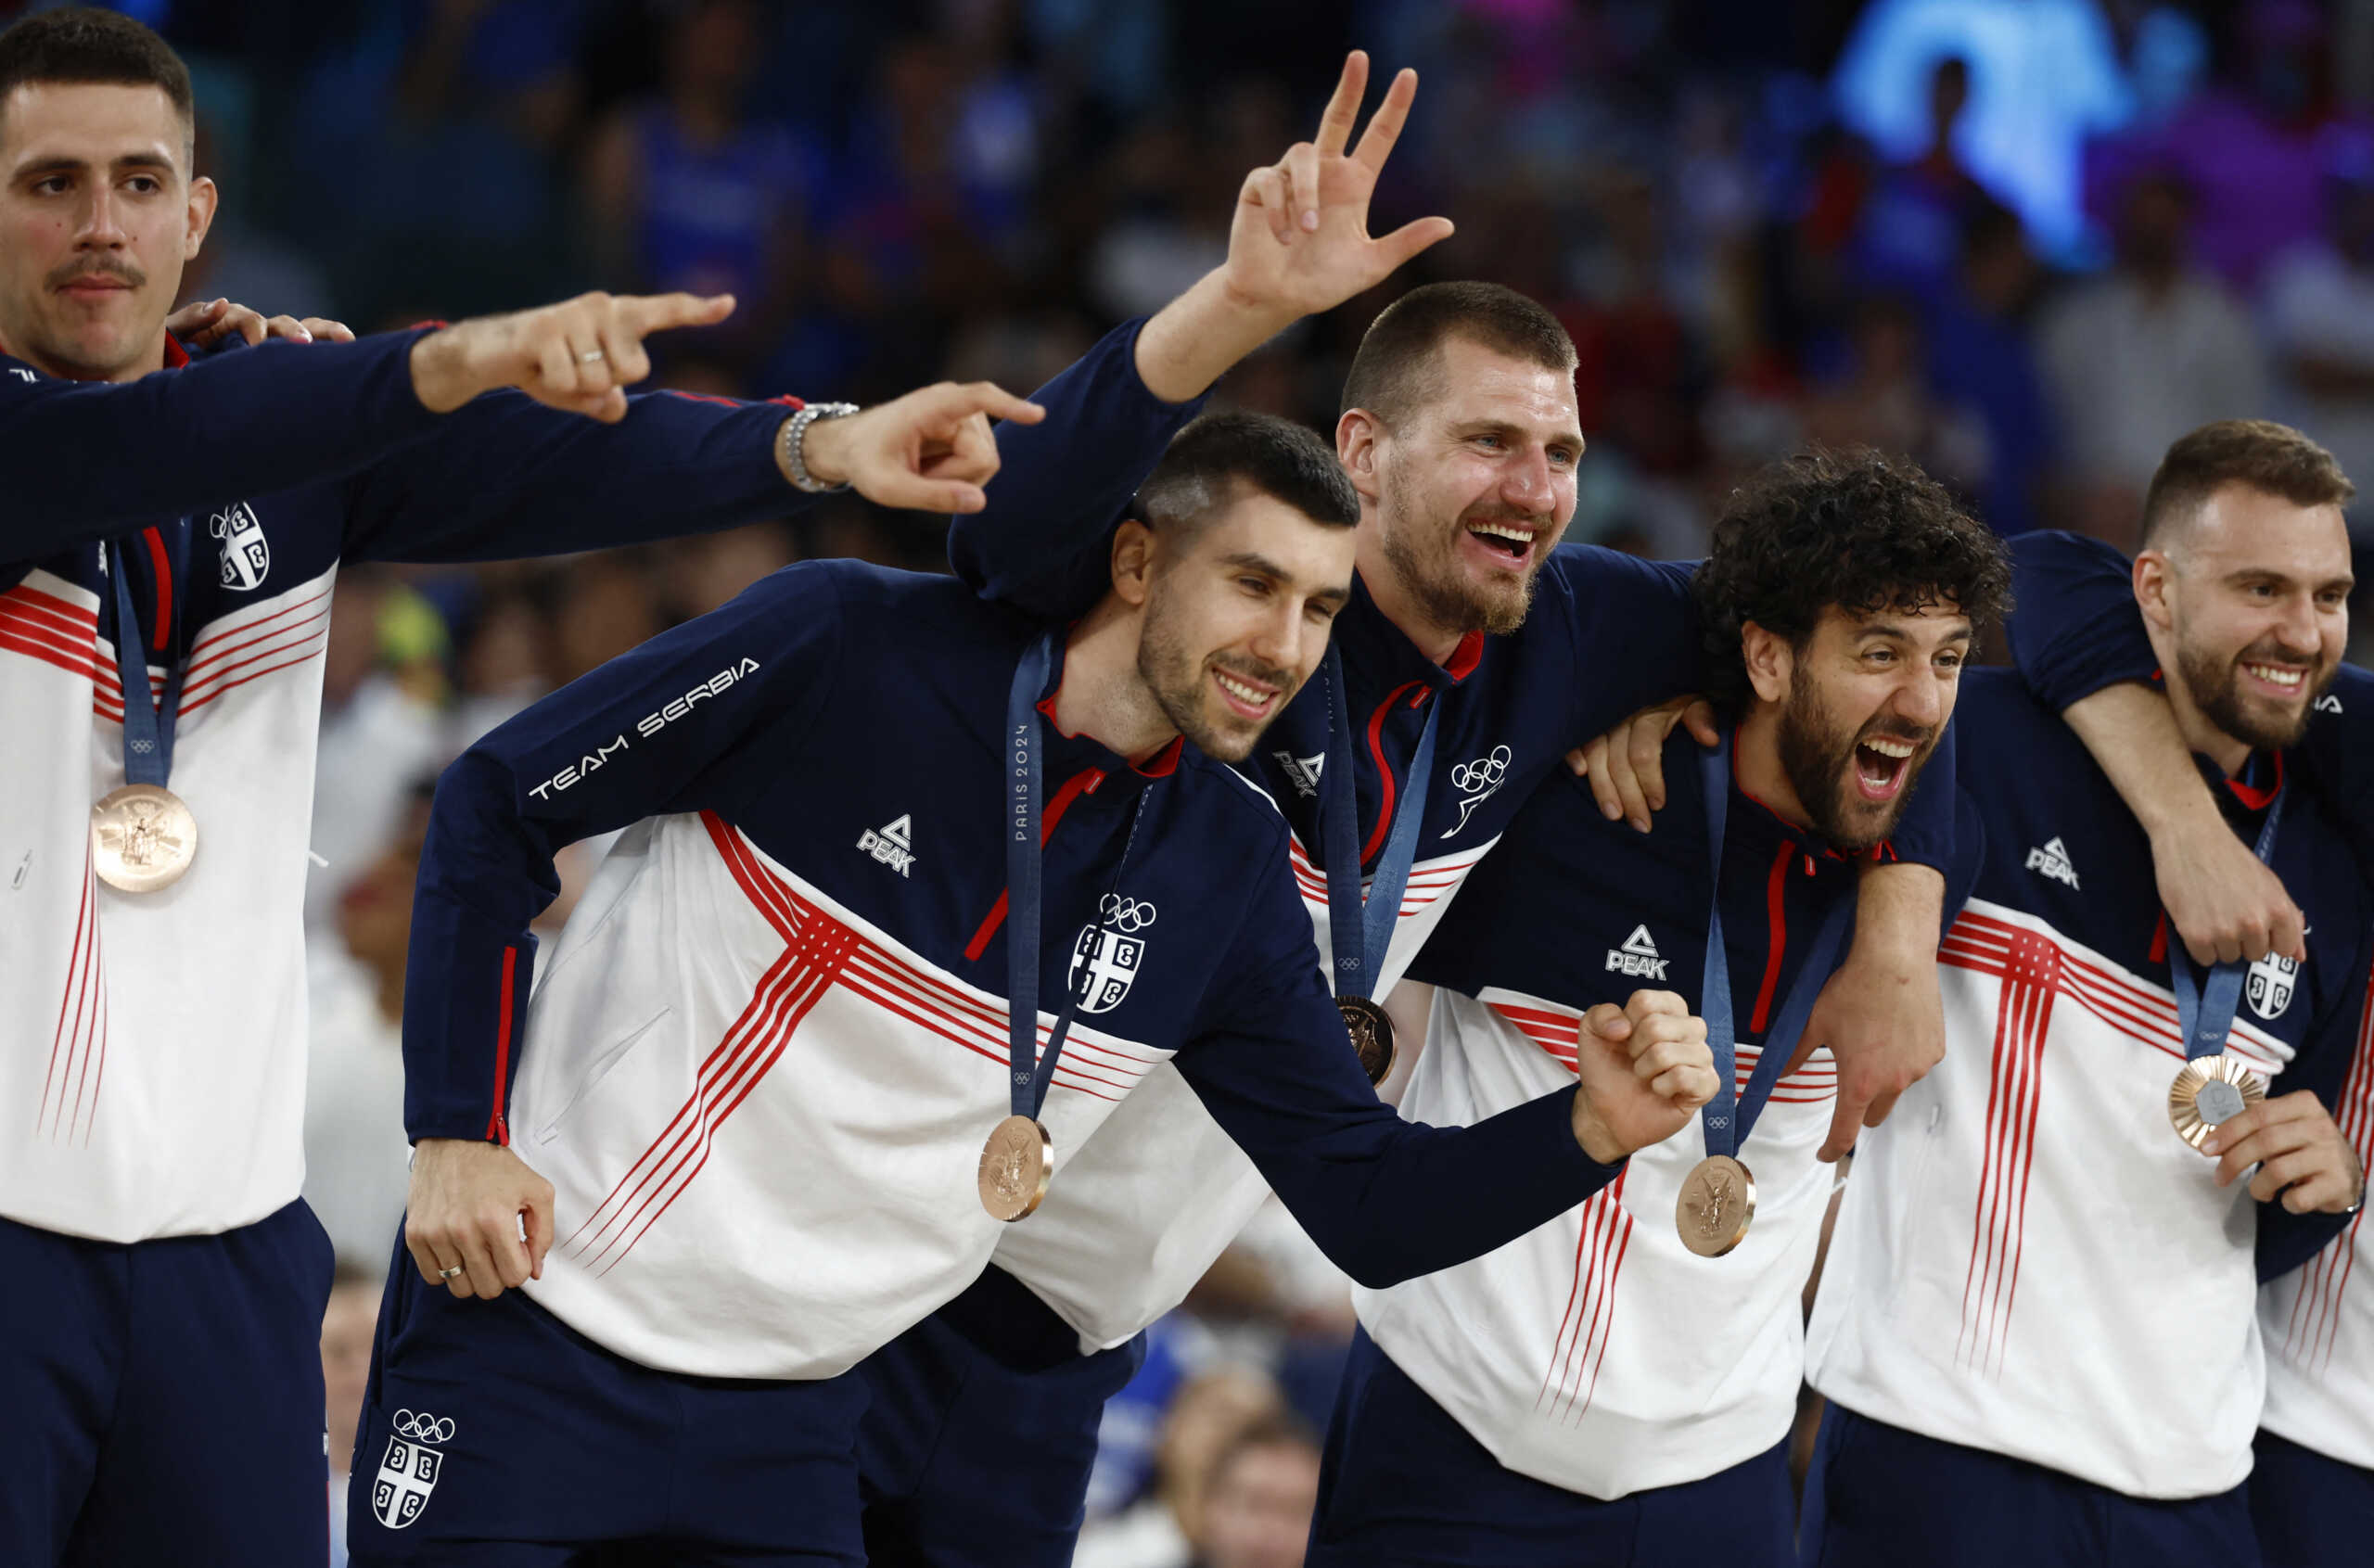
(1882, 765)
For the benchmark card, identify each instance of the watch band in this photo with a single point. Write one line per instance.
(790, 455)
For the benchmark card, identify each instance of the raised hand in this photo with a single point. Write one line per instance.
(1644, 1069)
(1299, 242)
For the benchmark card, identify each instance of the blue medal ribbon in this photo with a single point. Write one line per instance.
(1728, 1116)
(1359, 931)
(147, 725)
(1029, 1079)
(2205, 1012)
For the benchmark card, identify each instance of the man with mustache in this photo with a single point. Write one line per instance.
(876, 823)
(2038, 1326)
(168, 544)
(2085, 647)
(1473, 655)
(1616, 1388)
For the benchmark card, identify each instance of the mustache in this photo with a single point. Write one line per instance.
(1253, 670)
(1909, 735)
(124, 272)
(2275, 652)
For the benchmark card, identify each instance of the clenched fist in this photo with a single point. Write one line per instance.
(1644, 1070)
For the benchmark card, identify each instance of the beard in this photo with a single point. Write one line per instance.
(1424, 560)
(1176, 680)
(1817, 756)
(2214, 682)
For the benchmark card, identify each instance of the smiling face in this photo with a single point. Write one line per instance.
(1856, 712)
(1237, 613)
(97, 216)
(1472, 489)
(2254, 594)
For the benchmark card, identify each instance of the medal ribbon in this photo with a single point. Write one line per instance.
(1029, 1083)
(2205, 1012)
(1728, 1116)
(1359, 931)
(148, 727)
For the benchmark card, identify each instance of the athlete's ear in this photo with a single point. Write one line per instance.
(2154, 589)
(1770, 661)
(1355, 439)
(1133, 547)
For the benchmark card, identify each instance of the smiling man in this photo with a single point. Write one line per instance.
(758, 1068)
(169, 541)
(1614, 1389)
(2037, 1327)
(1474, 653)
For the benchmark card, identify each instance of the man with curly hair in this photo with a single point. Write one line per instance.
(1616, 1388)
(2039, 1327)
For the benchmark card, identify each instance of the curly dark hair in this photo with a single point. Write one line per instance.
(1852, 528)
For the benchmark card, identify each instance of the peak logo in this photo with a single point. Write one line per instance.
(892, 843)
(1301, 771)
(1637, 958)
(2052, 860)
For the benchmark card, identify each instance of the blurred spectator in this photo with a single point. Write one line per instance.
(1980, 357)
(1885, 401)
(2137, 358)
(1257, 1506)
(357, 1158)
(1167, 1530)
(686, 191)
(2320, 313)
(1911, 234)
(2252, 150)
(347, 1329)
(381, 723)
(2043, 76)
(605, 607)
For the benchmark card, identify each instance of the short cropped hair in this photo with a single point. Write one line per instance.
(1851, 528)
(2273, 459)
(84, 44)
(1398, 367)
(1205, 462)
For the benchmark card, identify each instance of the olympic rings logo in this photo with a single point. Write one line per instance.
(1124, 914)
(1484, 773)
(424, 1427)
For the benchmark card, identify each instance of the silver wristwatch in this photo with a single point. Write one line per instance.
(792, 460)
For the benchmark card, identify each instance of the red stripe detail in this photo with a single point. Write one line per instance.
(68, 617)
(91, 986)
(1465, 657)
(2031, 971)
(73, 992)
(498, 1130)
(164, 570)
(309, 655)
(1775, 917)
(1384, 771)
(85, 666)
(231, 640)
(1079, 783)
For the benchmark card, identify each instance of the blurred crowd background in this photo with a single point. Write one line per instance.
(2028, 242)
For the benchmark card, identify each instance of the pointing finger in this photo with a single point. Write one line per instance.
(646, 313)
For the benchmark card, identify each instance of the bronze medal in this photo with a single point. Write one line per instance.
(1372, 1034)
(1716, 1204)
(2209, 1091)
(142, 838)
(1016, 1164)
